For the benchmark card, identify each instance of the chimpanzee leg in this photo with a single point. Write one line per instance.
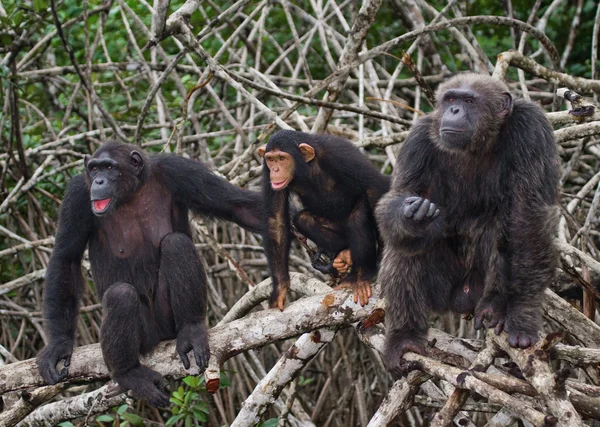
(329, 236)
(122, 337)
(182, 276)
(326, 234)
(413, 286)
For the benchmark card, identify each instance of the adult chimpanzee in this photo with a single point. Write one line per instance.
(470, 217)
(338, 188)
(133, 211)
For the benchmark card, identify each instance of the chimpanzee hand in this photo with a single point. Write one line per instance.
(145, 383)
(493, 311)
(193, 336)
(47, 360)
(343, 261)
(394, 350)
(419, 208)
(361, 288)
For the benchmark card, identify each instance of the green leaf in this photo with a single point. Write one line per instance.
(192, 381)
(133, 419)
(105, 418)
(172, 420)
(176, 401)
(224, 380)
(271, 422)
(179, 393)
(66, 424)
(201, 406)
(200, 416)
(186, 401)
(122, 409)
(40, 5)
(189, 421)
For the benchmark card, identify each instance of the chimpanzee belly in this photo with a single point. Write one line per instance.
(126, 244)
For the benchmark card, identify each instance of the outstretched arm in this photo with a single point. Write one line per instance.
(195, 186)
(64, 281)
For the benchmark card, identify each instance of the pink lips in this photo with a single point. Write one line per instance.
(279, 185)
(100, 205)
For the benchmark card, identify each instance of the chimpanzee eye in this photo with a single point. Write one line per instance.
(281, 158)
(450, 99)
(469, 100)
(94, 168)
(110, 167)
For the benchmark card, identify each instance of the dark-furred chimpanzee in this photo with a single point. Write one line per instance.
(132, 210)
(338, 188)
(471, 216)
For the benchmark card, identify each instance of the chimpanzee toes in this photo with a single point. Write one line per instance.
(499, 327)
(521, 339)
(158, 398)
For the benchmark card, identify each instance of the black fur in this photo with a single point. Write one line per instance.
(339, 189)
(489, 249)
(144, 264)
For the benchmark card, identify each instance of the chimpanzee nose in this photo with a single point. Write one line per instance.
(454, 109)
(99, 181)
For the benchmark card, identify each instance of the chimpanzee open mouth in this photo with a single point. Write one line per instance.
(100, 206)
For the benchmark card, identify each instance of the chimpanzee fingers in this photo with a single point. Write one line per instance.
(183, 348)
(420, 214)
(202, 355)
(432, 210)
(281, 300)
(410, 209)
(479, 321)
(499, 327)
(411, 199)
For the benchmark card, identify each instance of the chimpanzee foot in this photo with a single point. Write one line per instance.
(193, 336)
(320, 265)
(147, 384)
(394, 352)
(361, 288)
(278, 295)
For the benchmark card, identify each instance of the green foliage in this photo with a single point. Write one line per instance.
(121, 418)
(187, 404)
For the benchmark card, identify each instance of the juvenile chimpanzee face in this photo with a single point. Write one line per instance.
(282, 165)
(281, 168)
(110, 179)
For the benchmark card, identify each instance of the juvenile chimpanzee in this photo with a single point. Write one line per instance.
(338, 188)
(470, 218)
(133, 211)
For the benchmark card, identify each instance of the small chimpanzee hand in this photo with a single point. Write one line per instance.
(50, 356)
(417, 208)
(193, 336)
(395, 349)
(343, 261)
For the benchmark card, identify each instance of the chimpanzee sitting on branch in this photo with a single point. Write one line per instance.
(338, 188)
(132, 210)
(470, 218)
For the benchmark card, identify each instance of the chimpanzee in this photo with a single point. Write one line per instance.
(471, 216)
(338, 188)
(133, 211)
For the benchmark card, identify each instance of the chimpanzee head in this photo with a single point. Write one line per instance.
(286, 158)
(113, 174)
(469, 113)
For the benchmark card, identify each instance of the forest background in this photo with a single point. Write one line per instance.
(210, 81)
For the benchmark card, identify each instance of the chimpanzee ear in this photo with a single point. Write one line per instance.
(507, 103)
(137, 161)
(262, 150)
(86, 160)
(308, 152)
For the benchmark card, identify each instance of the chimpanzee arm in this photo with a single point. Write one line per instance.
(64, 281)
(532, 218)
(277, 240)
(195, 186)
(409, 220)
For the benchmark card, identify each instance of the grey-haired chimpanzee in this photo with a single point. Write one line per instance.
(471, 216)
(338, 188)
(132, 211)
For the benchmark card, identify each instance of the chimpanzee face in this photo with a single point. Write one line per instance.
(108, 179)
(281, 168)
